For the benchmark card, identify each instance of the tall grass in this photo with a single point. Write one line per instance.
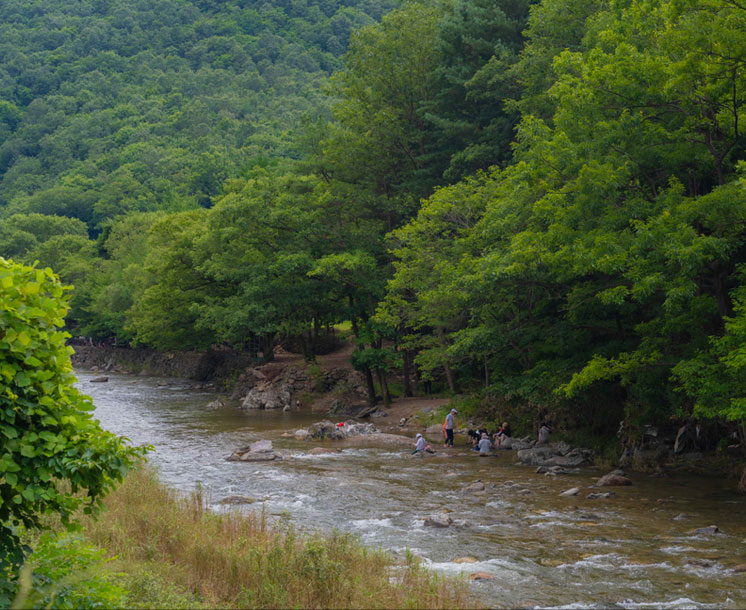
(245, 561)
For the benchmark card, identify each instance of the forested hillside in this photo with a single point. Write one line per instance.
(540, 204)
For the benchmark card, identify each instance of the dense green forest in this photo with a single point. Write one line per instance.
(541, 204)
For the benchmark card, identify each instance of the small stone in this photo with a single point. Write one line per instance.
(476, 486)
(524, 492)
(465, 560)
(477, 576)
(712, 529)
(574, 491)
(301, 434)
(740, 569)
(99, 380)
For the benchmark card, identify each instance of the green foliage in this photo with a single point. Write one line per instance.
(64, 572)
(50, 446)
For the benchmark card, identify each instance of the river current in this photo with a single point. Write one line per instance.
(634, 550)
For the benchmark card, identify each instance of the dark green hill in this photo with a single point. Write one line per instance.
(109, 107)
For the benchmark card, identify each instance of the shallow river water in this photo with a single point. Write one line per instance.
(635, 550)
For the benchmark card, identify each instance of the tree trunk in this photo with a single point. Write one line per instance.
(407, 365)
(384, 387)
(371, 386)
(446, 366)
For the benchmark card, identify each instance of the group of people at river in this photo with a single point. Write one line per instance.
(481, 440)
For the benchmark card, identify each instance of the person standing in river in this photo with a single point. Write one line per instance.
(448, 428)
(544, 434)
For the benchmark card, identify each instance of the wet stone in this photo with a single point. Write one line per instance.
(477, 576)
(574, 491)
(712, 529)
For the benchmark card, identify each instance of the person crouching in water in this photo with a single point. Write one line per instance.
(485, 446)
(420, 446)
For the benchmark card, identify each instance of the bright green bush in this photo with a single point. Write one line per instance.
(65, 573)
(51, 448)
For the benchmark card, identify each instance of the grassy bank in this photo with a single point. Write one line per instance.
(172, 551)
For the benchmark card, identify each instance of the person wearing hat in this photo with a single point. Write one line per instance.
(420, 446)
(448, 428)
(485, 446)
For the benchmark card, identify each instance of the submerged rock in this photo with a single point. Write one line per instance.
(322, 450)
(613, 480)
(99, 380)
(237, 500)
(712, 529)
(464, 560)
(600, 496)
(476, 576)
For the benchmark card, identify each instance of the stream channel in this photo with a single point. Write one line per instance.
(634, 550)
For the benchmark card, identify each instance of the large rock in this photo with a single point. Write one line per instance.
(438, 521)
(555, 455)
(537, 456)
(342, 406)
(434, 432)
(260, 451)
(268, 396)
(328, 430)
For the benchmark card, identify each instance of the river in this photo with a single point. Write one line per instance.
(635, 550)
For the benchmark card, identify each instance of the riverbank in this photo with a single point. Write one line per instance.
(166, 550)
(331, 388)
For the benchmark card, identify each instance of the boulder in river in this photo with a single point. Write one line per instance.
(573, 491)
(438, 521)
(215, 404)
(99, 380)
(260, 451)
(613, 480)
(329, 430)
(268, 396)
(712, 529)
